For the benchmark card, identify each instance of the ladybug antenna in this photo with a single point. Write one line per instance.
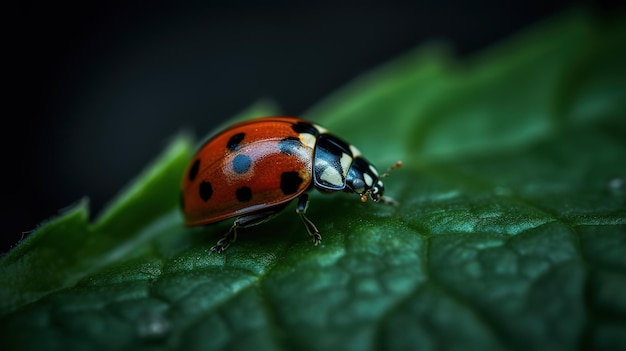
(398, 164)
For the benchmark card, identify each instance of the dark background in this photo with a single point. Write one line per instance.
(99, 88)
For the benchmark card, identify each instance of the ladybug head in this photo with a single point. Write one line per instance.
(376, 192)
(364, 180)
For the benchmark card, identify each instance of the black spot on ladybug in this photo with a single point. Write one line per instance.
(303, 127)
(235, 141)
(206, 190)
(241, 163)
(193, 171)
(289, 145)
(290, 182)
(243, 194)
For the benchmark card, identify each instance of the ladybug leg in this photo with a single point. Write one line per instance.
(388, 201)
(303, 203)
(226, 240)
(244, 221)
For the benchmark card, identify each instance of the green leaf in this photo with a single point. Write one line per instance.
(510, 233)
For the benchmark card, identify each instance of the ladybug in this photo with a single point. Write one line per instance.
(254, 169)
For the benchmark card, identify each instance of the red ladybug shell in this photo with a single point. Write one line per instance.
(251, 166)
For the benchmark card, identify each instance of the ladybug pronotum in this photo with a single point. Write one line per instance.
(254, 169)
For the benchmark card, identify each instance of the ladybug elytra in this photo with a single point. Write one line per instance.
(254, 169)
